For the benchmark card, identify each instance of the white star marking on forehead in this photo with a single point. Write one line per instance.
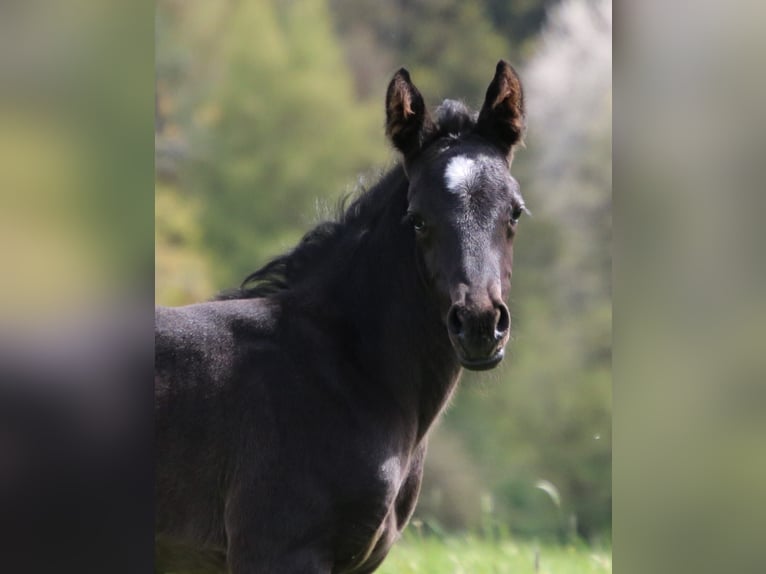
(460, 174)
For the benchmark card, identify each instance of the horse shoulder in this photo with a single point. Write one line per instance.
(196, 357)
(200, 342)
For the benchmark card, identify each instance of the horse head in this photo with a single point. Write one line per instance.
(463, 206)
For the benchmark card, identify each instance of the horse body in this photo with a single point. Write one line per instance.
(292, 418)
(335, 422)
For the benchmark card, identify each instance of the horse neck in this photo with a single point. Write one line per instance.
(401, 336)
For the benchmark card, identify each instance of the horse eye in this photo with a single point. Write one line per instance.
(516, 214)
(417, 222)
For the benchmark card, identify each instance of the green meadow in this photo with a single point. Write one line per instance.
(472, 555)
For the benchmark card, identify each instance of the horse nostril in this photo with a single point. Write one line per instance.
(503, 321)
(454, 323)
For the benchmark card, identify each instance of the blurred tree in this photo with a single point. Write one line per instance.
(448, 46)
(182, 273)
(271, 124)
(187, 38)
(519, 20)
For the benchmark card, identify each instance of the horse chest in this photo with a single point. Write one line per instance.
(372, 530)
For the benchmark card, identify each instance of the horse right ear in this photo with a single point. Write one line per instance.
(407, 119)
(502, 117)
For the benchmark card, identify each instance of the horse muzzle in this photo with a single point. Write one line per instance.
(479, 335)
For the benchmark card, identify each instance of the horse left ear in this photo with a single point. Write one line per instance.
(502, 117)
(407, 119)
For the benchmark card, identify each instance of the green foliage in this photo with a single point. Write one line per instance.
(285, 132)
(181, 272)
(520, 20)
(271, 127)
(438, 41)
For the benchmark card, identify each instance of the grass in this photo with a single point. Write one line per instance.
(471, 555)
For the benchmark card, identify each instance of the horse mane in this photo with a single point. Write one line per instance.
(356, 213)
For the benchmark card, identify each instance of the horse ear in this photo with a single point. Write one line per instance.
(407, 119)
(502, 117)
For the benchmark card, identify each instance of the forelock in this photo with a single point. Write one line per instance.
(454, 119)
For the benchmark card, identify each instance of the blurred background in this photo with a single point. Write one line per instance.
(269, 111)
